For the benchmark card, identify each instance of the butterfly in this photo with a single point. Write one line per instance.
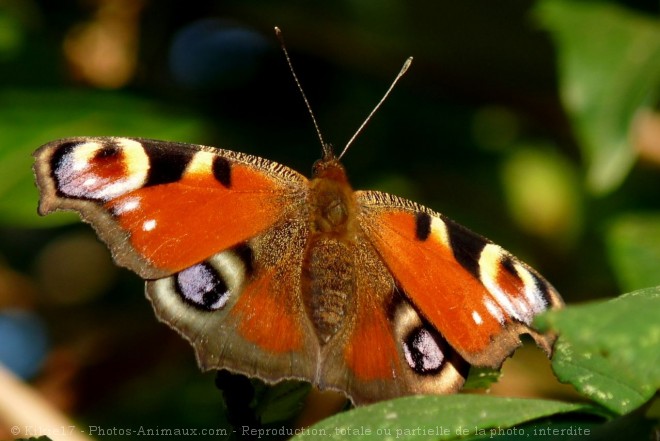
(273, 275)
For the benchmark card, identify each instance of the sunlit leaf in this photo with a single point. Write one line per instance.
(609, 350)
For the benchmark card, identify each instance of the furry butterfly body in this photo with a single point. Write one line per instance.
(274, 275)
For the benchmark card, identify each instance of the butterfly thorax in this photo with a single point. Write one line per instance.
(328, 275)
(330, 199)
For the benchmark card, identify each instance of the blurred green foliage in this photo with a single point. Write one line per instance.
(515, 119)
(609, 63)
(633, 246)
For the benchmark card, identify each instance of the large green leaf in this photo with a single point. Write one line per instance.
(609, 350)
(31, 118)
(609, 68)
(434, 418)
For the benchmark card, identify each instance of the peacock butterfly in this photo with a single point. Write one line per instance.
(273, 275)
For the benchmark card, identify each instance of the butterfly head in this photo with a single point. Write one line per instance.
(329, 166)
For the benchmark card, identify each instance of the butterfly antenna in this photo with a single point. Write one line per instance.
(403, 70)
(327, 151)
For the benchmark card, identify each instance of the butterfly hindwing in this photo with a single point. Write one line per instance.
(241, 309)
(384, 347)
(387, 354)
(475, 294)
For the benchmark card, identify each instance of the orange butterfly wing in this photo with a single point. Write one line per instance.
(478, 296)
(217, 234)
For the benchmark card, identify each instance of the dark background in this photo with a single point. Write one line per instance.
(476, 125)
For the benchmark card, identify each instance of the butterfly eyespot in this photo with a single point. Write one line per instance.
(202, 286)
(99, 171)
(425, 351)
(422, 351)
(211, 284)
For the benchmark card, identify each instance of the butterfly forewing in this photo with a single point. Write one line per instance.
(162, 207)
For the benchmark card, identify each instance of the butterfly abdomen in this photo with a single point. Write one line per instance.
(328, 284)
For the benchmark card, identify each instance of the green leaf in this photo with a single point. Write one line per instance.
(609, 68)
(434, 418)
(481, 378)
(633, 246)
(29, 119)
(609, 350)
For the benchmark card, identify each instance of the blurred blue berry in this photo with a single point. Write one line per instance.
(23, 342)
(216, 54)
